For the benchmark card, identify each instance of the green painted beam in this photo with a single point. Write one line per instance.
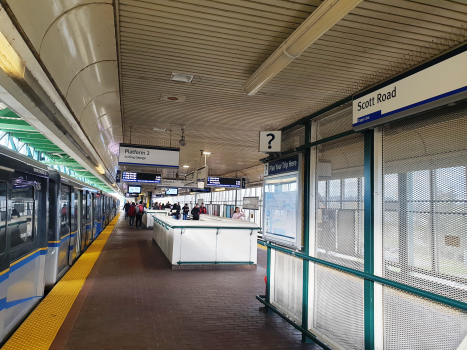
(64, 163)
(28, 134)
(8, 113)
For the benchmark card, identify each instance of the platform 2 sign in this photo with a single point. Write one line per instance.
(149, 156)
(430, 85)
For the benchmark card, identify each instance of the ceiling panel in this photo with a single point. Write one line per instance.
(223, 42)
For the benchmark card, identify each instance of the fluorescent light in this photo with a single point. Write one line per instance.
(219, 189)
(186, 166)
(3, 106)
(207, 153)
(100, 169)
(240, 163)
(186, 78)
(158, 129)
(318, 23)
(10, 61)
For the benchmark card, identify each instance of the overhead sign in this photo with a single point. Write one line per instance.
(224, 182)
(141, 177)
(281, 166)
(174, 184)
(251, 203)
(202, 174)
(191, 178)
(149, 156)
(427, 86)
(270, 141)
(118, 176)
(134, 189)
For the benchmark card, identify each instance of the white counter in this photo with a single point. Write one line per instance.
(211, 241)
(147, 216)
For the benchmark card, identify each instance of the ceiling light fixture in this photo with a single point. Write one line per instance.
(207, 153)
(3, 106)
(10, 61)
(318, 23)
(186, 166)
(100, 169)
(219, 189)
(158, 129)
(186, 78)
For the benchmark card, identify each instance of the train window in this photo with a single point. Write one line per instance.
(65, 211)
(2, 217)
(22, 215)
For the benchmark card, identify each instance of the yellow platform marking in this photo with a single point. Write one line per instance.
(260, 246)
(38, 331)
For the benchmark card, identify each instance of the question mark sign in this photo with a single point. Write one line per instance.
(272, 139)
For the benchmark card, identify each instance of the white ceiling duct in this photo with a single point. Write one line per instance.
(318, 23)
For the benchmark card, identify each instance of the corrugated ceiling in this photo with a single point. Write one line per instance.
(223, 42)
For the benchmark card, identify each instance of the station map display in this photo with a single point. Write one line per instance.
(281, 207)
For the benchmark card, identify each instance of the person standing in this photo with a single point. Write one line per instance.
(176, 211)
(202, 210)
(195, 212)
(139, 214)
(238, 215)
(132, 213)
(186, 210)
(126, 206)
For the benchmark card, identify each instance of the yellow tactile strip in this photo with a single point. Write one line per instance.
(38, 331)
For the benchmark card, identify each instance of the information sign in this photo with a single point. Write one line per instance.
(134, 189)
(251, 203)
(224, 182)
(270, 141)
(281, 166)
(141, 177)
(149, 156)
(427, 86)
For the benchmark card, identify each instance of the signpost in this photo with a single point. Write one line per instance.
(251, 203)
(270, 141)
(149, 156)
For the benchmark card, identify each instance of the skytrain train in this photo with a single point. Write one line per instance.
(47, 220)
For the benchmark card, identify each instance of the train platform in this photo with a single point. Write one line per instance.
(131, 299)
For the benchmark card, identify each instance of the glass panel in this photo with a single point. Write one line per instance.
(22, 215)
(64, 211)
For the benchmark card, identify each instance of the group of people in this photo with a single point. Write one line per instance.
(195, 212)
(134, 212)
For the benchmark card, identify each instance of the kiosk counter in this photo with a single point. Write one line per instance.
(149, 213)
(210, 243)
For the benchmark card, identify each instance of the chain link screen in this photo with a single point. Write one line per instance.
(338, 307)
(335, 124)
(288, 285)
(339, 201)
(425, 203)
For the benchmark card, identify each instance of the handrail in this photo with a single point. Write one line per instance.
(419, 292)
(163, 223)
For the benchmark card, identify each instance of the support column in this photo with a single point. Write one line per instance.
(369, 291)
(306, 232)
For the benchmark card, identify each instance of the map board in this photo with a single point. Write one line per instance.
(282, 208)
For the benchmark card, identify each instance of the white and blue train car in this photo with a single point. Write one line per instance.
(47, 220)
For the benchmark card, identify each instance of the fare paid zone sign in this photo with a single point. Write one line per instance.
(436, 83)
(149, 156)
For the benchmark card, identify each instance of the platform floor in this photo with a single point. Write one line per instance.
(133, 300)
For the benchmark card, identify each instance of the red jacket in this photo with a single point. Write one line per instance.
(132, 210)
(202, 210)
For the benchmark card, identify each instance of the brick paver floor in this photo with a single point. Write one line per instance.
(134, 301)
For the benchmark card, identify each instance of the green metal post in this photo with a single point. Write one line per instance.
(268, 276)
(369, 297)
(306, 233)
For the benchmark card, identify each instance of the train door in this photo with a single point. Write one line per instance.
(64, 227)
(74, 236)
(88, 218)
(83, 220)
